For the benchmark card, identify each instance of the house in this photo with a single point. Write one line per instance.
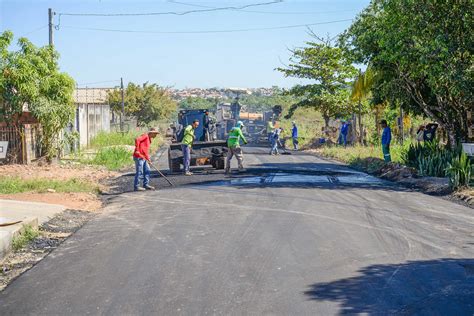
(92, 113)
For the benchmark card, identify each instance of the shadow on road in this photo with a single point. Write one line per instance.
(433, 287)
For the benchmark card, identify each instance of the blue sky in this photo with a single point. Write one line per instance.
(232, 59)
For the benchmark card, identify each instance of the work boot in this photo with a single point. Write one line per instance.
(149, 187)
(188, 173)
(139, 189)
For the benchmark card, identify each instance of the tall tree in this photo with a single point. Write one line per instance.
(30, 78)
(329, 71)
(147, 102)
(424, 49)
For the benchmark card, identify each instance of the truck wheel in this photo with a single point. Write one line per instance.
(220, 163)
(175, 166)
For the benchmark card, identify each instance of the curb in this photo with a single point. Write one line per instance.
(7, 233)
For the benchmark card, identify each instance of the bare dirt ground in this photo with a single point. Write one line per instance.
(78, 201)
(75, 200)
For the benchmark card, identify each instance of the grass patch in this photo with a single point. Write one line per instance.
(104, 139)
(111, 149)
(10, 185)
(28, 234)
(113, 158)
(354, 154)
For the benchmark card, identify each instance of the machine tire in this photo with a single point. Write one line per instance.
(220, 163)
(175, 166)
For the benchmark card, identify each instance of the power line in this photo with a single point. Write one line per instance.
(91, 83)
(206, 31)
(208, 9)
(267, 12)
(35, 30)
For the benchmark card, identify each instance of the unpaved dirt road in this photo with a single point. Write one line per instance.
(295, 235)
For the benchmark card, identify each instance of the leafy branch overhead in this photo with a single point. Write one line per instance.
(329, 73)
(423, 51)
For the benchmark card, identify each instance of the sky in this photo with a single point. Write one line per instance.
(200, 49)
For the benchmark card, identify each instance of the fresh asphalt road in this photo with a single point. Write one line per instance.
(295, 235)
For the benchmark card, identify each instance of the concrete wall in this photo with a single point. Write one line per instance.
(90, 120)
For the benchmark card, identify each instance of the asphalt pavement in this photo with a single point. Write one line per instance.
(293, 235)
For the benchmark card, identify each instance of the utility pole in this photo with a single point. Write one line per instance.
(50, 25)
(401, 126)
(122, 117)
(361, 137)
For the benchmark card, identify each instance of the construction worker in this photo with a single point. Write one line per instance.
(186, 144)
(275, 140)
(294, 135)
(270, 128)
(141, 156)
(386, 140)
(233, 143)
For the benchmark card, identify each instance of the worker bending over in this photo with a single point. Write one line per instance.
(233, 143)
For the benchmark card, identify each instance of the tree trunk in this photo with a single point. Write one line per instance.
(326, 121)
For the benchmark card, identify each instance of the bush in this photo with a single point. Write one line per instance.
(104, 139)
(459, 171)
(435, 160)
(113, 158)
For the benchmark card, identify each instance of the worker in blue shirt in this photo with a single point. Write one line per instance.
(294, 135)
(343, 133)
(386, 140)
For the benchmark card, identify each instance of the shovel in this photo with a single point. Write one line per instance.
(161, 174)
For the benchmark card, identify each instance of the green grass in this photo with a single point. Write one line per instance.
(10, 185)
(104, 139)
(353, 154)
(28, 234)
(113, 158)
(109, 152)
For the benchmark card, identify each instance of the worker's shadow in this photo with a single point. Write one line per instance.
(431, 287)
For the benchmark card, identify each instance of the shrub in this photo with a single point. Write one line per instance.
(29, 233)
(114, 158)
(459, 171)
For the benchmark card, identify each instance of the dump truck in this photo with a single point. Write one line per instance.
(206, 150)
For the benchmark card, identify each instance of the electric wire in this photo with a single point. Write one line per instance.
(206, 31)
(209, 9)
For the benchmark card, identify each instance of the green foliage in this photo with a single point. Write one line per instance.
(114, 150)
(260, 103)
(104, 139)
(198, 103)
(353, 154)
(28, 234)
(330, 71)
(459, 171)
(422, 53)
(10, 185)
(432, 159)
(30, 76)
(147, 103)
(113, 158)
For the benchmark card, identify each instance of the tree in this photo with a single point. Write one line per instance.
(330, 70)
(30, 77)
(147, 103)
(423, 52)
(197, 103)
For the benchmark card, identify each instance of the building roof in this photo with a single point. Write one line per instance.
(91, 95)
